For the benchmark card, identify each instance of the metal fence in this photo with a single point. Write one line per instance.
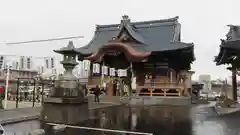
(29, 91)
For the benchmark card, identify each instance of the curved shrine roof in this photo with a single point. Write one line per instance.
(150, 36)
(230, 46)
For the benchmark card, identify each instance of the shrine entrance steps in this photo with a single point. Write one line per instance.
(159, 100)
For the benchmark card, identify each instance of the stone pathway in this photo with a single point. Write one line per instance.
(23, 104)
(20, 114)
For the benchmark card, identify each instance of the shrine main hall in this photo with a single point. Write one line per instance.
(151, 51)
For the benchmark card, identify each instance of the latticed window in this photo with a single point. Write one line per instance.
(47, 63)
(1, 62)
(22, 62)
(52, 63)
(96, 68)
(86, 65)
(105, 70)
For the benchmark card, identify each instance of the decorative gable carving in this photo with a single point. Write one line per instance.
(124, 36)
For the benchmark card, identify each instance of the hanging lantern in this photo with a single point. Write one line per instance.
(112, 71)
(96, 68)
(124, 72)
(104, 70)
(119, 72)
(86, 65)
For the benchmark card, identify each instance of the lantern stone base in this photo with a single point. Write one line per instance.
(65, 110)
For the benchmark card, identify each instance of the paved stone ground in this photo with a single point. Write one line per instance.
(23, 104)
(26, 112)
(20, 114)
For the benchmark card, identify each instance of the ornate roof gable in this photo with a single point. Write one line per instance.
(127, 30)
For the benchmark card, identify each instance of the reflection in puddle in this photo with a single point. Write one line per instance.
(134, 121)
(155, 119)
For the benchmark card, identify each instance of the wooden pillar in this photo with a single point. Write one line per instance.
(179, 92)
(171, 75)
(164, 92)
(102, 75)
(234, 84)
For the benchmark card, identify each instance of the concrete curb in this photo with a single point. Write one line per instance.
(4, 110)
(19, 119)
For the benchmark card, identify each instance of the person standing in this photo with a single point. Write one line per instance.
(97, 93)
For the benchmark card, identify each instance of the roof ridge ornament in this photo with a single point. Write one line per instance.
(233, 33)
(125, 17)
(113, 40)
(70, 45)
(67, 49)
(233, 27)
(222, 41)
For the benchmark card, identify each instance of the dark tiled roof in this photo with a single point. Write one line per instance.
(157, 35)
(230, 46)
(232, 38)
(68, 49)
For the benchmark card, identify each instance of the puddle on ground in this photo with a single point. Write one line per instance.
(159, 120)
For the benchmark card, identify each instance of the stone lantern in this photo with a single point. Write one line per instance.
(69, 60)
(67, 103)
(68, 85)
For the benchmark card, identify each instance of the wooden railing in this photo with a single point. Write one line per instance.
(160, 94)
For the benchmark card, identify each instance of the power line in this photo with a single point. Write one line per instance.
(36, 57)
(45, 40)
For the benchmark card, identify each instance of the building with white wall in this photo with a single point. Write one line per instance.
(205, 79)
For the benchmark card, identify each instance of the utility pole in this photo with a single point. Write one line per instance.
(6, 88)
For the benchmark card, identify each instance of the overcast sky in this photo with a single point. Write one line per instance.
(203, 22)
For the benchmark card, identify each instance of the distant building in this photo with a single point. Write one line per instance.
(13, 75)
(206, 81)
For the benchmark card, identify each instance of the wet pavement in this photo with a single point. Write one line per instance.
(206, 122)
(200, 120)
(22, 128)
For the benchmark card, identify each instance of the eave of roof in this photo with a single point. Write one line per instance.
(227, 51)
(229, 47)
(68, 49)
